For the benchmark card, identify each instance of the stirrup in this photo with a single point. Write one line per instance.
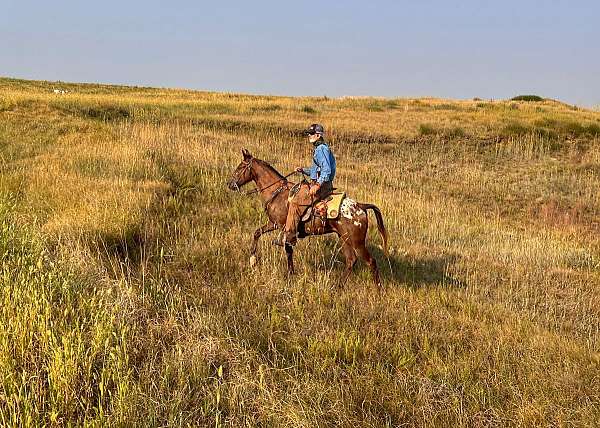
(278, 242)
(284, 239)
(283, 243)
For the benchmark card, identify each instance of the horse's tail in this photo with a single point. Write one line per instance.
(380, 225)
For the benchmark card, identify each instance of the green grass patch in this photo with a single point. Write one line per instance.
(381, 105)
(63, 355)
(427, 129)
(103, 112)
(214, 108)
(308, 109)
(266, 108)
(453, 132)
(568, 127)
(446, 106)
(515, 128)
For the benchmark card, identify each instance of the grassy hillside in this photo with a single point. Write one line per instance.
(128, 299)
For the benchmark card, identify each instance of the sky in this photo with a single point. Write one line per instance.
(459, 49)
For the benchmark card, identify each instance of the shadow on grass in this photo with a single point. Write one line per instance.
(416, 272)
(412, 272)
(126, 246)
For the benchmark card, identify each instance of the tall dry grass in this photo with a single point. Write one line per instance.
(128, 298)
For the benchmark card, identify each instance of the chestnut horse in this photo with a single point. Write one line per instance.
(351, 225)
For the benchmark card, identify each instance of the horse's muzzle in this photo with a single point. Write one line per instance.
(232, 185)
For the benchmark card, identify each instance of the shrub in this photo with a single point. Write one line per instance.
(534, 98)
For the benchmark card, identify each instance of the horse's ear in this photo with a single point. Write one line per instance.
(246, 154)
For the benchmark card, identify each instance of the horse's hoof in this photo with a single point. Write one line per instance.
(253, 261)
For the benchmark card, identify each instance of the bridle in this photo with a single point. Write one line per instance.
(248, 166)
(236, 175)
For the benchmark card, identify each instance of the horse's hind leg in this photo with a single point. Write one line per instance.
(257, 234)
(289, 250)
(366, 256)
(350, 256)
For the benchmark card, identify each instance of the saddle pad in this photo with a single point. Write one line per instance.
(333, 204)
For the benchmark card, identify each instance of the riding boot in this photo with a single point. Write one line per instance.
(290, 232)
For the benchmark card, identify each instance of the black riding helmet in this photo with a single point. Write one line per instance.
(315, 128)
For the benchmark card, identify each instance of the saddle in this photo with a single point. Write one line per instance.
(328, 208)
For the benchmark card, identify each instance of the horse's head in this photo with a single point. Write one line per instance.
(243, 173)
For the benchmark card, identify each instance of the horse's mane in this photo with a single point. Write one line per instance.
(269, 167)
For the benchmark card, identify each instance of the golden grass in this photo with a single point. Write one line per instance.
(128, 298)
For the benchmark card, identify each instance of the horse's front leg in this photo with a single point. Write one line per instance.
(269, 227)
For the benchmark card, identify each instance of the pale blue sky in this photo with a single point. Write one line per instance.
(465, 49)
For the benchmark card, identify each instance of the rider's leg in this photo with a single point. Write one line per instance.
(325, 190)
(296, 208)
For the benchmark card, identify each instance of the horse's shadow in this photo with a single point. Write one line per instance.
(417, 271)
(412, 271)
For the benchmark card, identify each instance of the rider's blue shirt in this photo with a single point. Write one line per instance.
(323, 166)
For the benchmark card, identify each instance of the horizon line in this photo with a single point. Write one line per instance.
(593, 108)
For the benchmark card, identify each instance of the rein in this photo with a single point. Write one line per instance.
(258, 190)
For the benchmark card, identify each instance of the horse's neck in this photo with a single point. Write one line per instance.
(268, 180)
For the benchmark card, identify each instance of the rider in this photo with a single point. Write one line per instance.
(321, 173)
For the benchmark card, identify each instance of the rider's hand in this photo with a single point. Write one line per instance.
(314, 189)
(300, 169)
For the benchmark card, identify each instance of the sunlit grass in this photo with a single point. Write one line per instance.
(128, 298)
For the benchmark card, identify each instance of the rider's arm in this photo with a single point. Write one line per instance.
(312, 170)
(322, 159)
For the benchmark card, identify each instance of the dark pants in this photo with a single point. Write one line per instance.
(298, 205)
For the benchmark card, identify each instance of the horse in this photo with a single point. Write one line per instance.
(351, 225)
